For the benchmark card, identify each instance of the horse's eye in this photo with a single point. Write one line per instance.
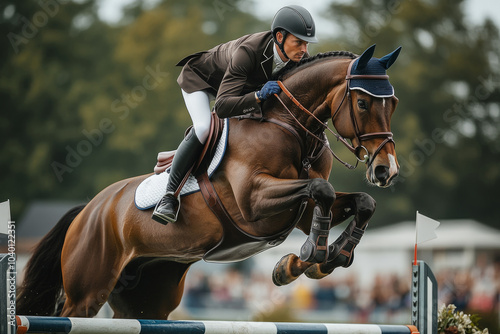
(362, 104)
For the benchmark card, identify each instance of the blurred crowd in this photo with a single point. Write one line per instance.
(386, 301)
(477, 289)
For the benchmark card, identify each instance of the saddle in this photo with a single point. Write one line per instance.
(164, 159)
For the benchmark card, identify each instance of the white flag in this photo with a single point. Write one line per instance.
(426, 228)
(4, 217)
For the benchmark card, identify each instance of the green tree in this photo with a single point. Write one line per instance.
(45, 57)
(86, 103)
(447, 123)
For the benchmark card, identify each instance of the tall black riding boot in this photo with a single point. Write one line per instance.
(188, 151)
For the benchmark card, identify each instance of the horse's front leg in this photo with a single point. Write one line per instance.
(341, 252)
(269, 196)
(316, 249)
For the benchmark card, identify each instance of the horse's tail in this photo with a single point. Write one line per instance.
(42, 285)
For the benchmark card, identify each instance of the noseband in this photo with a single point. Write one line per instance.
(360, 137)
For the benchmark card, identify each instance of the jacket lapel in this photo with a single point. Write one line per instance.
(267, 63)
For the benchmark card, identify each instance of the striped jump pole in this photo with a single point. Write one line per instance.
(32, 324)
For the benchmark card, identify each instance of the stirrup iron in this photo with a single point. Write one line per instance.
(167, 209)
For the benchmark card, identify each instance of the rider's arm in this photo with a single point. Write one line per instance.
(231, 99)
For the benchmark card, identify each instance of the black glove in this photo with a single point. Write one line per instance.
(270, 88)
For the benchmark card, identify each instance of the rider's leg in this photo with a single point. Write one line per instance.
(198, 105)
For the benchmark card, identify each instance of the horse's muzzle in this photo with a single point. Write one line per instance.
(382, 175)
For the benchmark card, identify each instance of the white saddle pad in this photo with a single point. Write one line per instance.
(152, 189)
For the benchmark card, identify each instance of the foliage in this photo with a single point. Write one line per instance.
(451, 322)
(447, 124)
(86, 103)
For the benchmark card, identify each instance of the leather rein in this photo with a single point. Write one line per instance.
(360, 137)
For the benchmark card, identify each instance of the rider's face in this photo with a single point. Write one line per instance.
(295, 48)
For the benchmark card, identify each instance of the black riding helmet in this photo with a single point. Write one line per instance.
(295, 20)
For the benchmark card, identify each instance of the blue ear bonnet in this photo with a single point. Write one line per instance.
(368, 65)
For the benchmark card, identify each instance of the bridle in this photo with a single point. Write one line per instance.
(360, 137)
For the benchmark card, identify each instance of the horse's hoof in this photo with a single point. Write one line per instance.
(318, 271)
(282, 273)
(314, 272)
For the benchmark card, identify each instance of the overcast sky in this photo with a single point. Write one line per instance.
(476, 10)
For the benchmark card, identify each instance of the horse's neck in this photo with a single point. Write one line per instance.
(313, 86)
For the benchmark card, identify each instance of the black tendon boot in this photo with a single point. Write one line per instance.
(315, 249)
(188, 151)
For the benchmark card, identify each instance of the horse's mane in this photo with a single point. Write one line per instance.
(289, 70)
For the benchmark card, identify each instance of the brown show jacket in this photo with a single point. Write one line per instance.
(232, 71)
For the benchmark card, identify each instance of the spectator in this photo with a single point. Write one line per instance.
(324, 294)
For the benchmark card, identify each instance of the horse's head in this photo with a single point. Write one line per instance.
(364, 115)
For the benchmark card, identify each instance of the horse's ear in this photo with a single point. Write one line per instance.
(389, 59)
(365, 57)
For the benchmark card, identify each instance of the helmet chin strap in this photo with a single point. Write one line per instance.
(284, 33)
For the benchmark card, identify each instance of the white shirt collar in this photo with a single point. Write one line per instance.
(278, 63)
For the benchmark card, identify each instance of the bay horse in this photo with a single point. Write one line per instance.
(109, 251)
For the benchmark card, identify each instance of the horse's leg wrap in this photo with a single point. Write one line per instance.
(315, 249)
(341, 252)
(345, 244)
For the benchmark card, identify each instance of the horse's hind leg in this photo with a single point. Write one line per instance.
(91, 265)
(150, 290)
(88, 282)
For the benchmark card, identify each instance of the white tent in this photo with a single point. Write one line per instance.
(389, 249)
(451, 234)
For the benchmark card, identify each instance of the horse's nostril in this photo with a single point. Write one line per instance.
(382, 173)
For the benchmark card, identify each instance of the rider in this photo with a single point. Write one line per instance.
(233, 72)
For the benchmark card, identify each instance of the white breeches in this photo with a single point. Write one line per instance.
(198, 106)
